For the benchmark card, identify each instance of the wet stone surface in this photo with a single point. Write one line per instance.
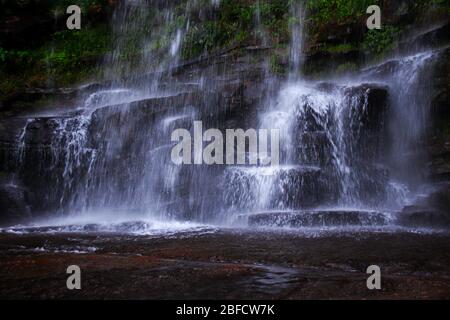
(225, 264)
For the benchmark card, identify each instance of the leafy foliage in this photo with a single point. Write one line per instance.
(70, 49)
(377, 42)
(338, 11)
(234, 24)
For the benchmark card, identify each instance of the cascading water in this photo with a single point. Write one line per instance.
(113, 157)
(409, 101)
(155, 29)
(329, 156)
(337, 142)
(298, 14)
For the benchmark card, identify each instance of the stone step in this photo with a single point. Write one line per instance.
(317, 218)
(287, 186)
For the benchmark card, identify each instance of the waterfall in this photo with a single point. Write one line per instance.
(409, 102)
(329, 156)
(99, 159)
(298, 15)
(151, 28)
(408, 114)
(345, 143)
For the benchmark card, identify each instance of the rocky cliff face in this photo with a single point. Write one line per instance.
(103, 151)
(75, 161)
(46, 160)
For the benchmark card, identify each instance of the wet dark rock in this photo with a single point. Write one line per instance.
(438, 142)
(10, 129)
(439, 167)
(430, 38)
(430, 211)
(418, 216)
(366, 118)
(319, 58)
(321, 61)
(440, 198)
(144, 108)
(41, 131)
(227, 264)
(14, 204)
(22, 29)
(373, 103)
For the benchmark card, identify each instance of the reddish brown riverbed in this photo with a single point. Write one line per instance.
(225, 264)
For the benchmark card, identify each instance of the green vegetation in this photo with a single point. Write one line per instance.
(234, 24)
(72, 51)
(276, 65)
(62, 56)
(377, 42)
(337, 11)
(341, 48)
(65, 57)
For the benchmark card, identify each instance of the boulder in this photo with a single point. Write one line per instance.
(431, 211)
(419, 216)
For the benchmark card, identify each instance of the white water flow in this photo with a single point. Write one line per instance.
(298, 15)
(154, 30)
(347, 144)
(111, 162)
(344, 143)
